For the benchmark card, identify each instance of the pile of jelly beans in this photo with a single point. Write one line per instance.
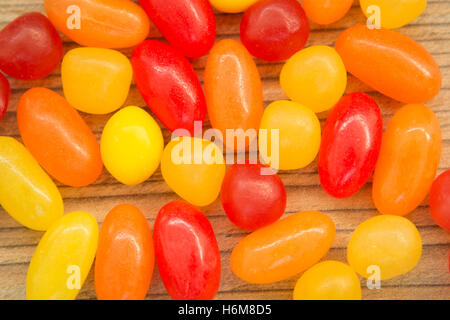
(96, 78)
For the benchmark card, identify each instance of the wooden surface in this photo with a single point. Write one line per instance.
(429, 280)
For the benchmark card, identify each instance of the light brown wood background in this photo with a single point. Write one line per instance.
(429, 280)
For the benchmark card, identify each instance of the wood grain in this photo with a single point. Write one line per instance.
(429, 280)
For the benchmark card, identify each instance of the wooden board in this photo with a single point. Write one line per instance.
(429, 280)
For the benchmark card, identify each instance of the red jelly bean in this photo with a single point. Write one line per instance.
(5, 92)
(250, 199)
(169, 85)
(188, 25)
(30, 47)
(351, 144)
(440, 200)
(186, 252)
(273, 30)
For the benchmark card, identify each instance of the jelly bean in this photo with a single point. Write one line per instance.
(314, 77)
(232, 6)
(390, 63)
(5, 92)
(293, 121)
(96, 80)
(63, 258)
(394, 13)
(169, 85)
(350, 146)
(194, 169)
(125, 255)
(58, 137)
(283, 249)
(326, 11)
(250, 199)
(240, 106)
(100, 23)
(385, 246)
(187, 252)
(408, 161)
(188, 25)
(273, 30)
(31, 47)
(440, 200)
(26, 192)
(132, 144)
(328, 280)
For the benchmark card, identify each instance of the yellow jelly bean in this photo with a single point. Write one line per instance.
(299, 135)
(194, 168)
(131, 145)
(328, 280)
(393, 13)
(315, 77)
(232, 6)
(63, 258)
(26, 192)
(96, 80)
(384, 247)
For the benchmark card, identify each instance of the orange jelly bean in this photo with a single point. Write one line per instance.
(283, 249)
(233, 89)
(58, 137)
(408, 161)
(100, 23)
(326, 11)
(125, 255)
(390, 63)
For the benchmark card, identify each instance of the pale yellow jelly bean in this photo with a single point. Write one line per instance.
(384, 247)
(131, 145)
(194, 168)
(26, 192)
(63, 258)
(96, 80)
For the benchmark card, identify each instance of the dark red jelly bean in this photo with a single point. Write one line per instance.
(30, 47)
(273, 30)
(250, 199)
